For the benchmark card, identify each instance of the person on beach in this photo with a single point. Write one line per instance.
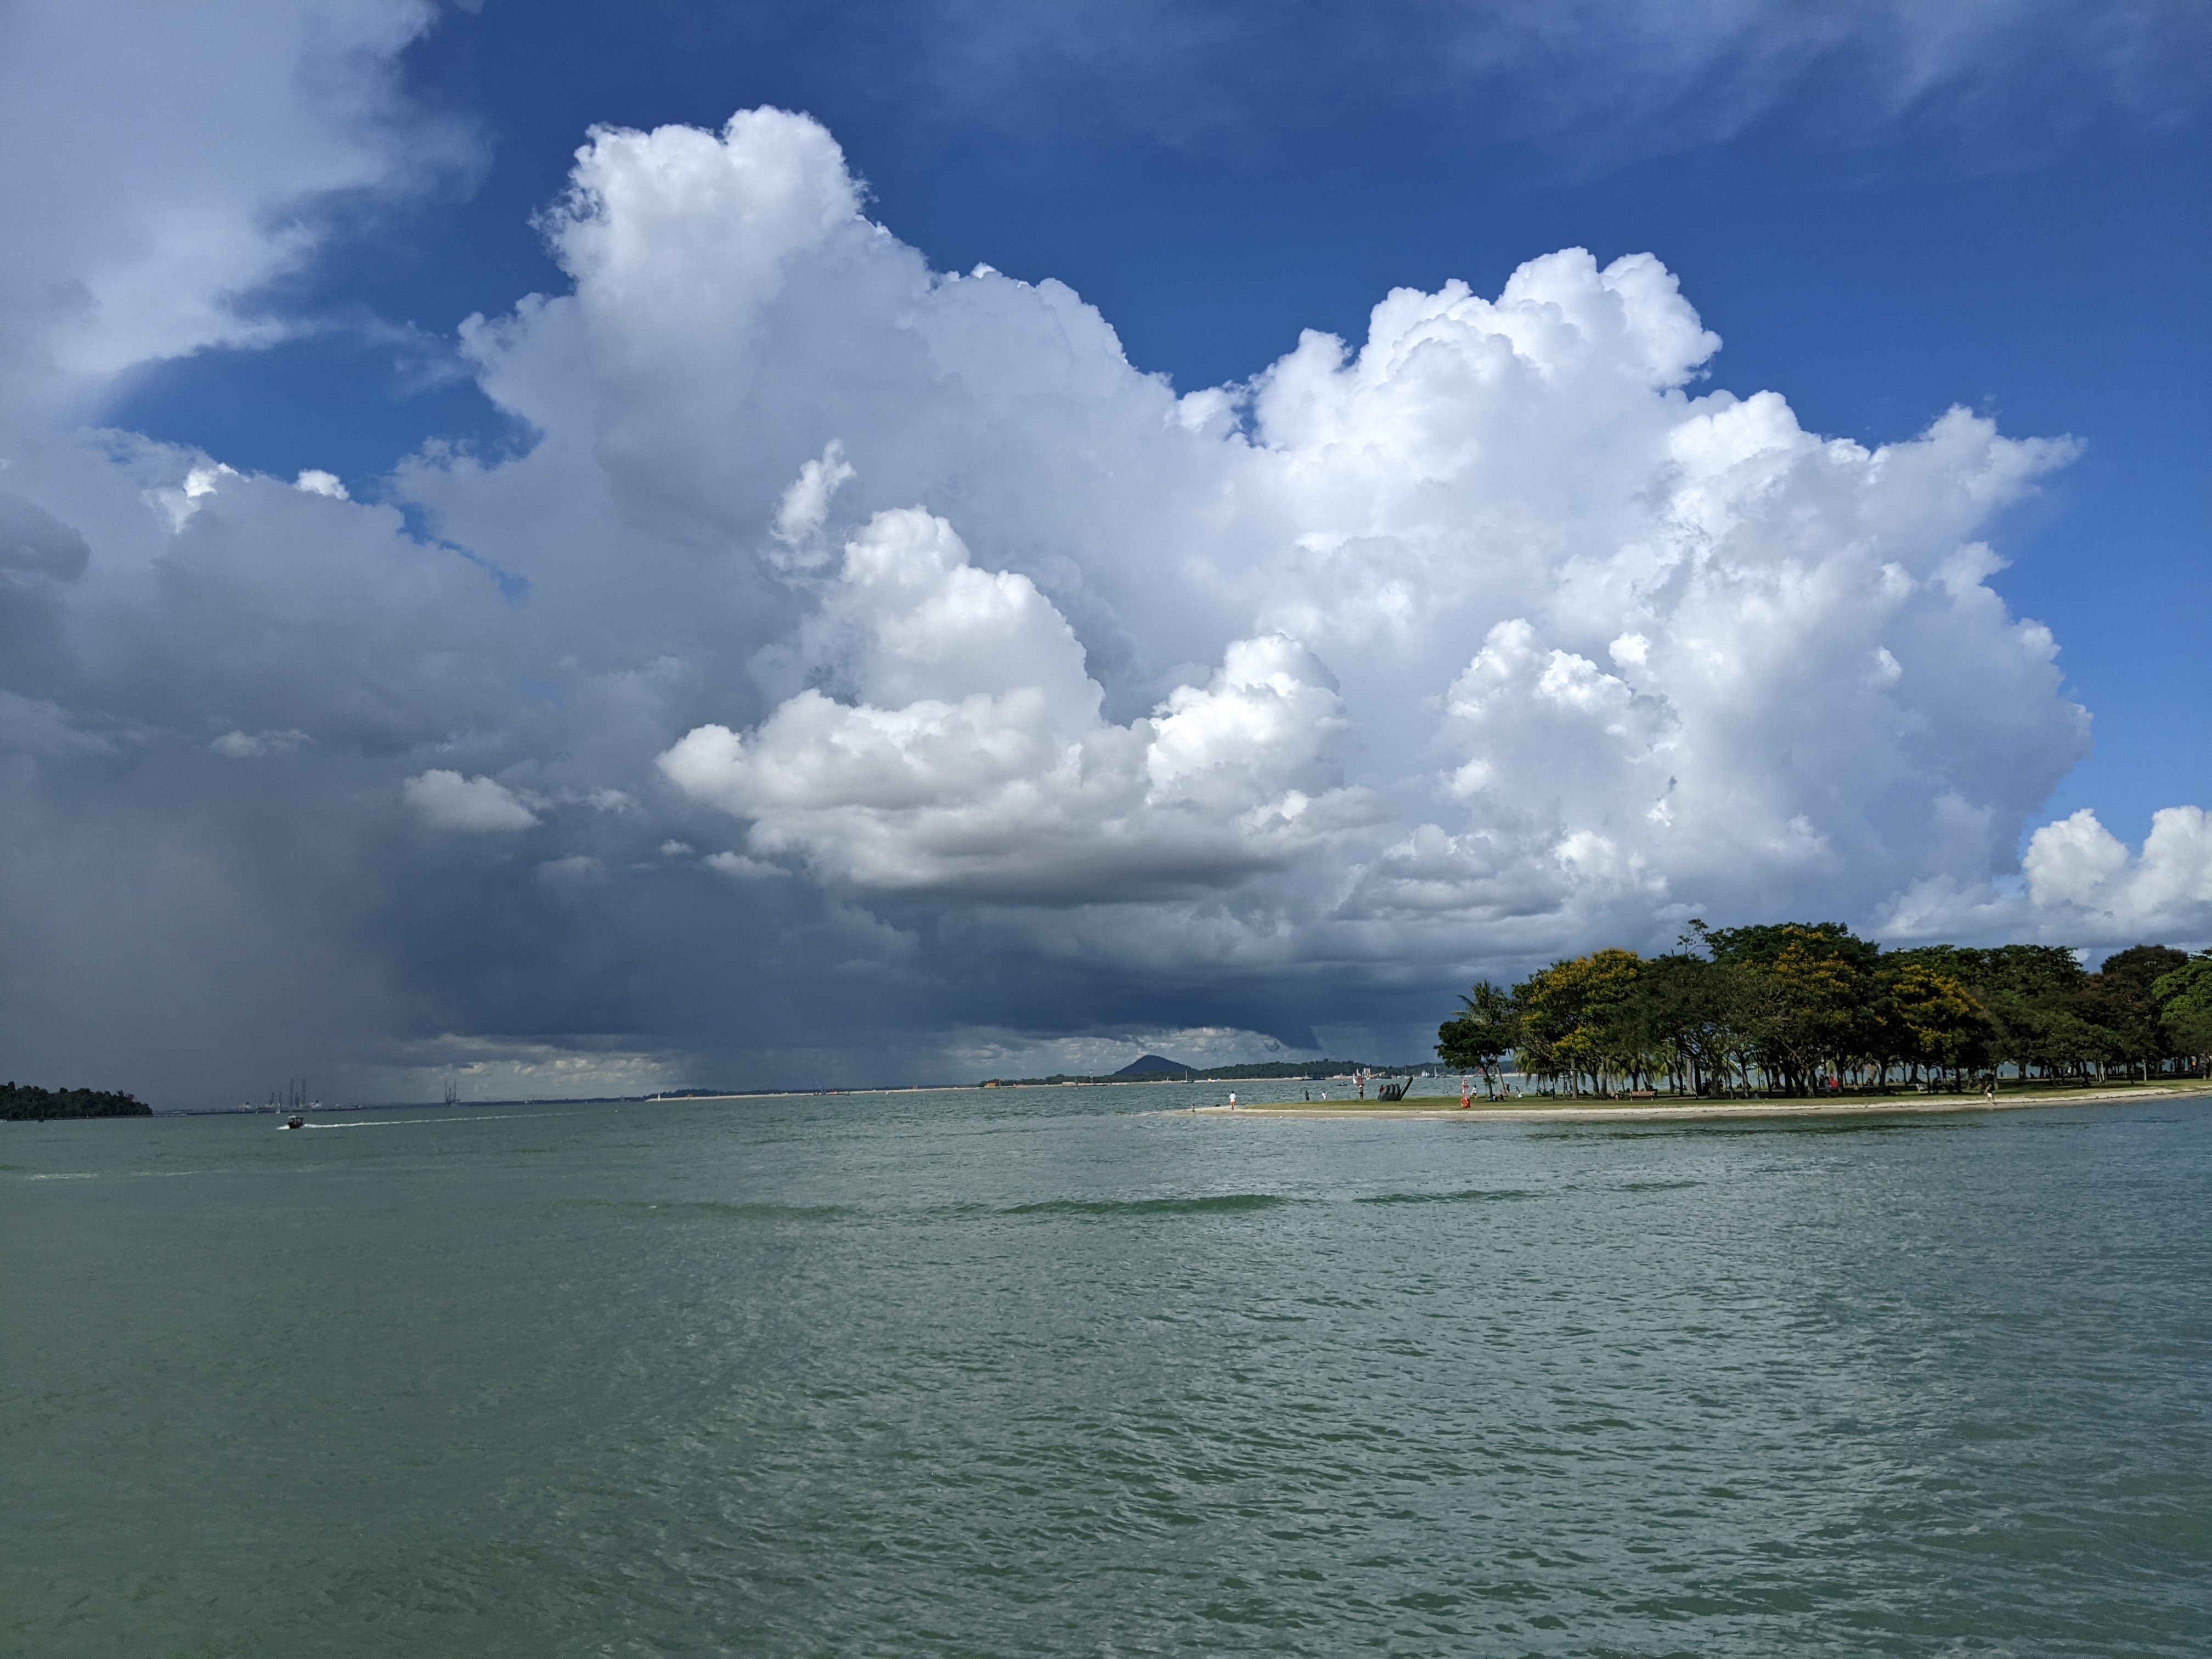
(1232, 1100)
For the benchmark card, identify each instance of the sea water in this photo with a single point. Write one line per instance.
(1040, 1372)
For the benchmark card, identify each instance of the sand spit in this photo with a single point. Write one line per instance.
(1642, 1112)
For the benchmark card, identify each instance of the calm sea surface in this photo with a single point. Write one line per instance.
(1030, 1372)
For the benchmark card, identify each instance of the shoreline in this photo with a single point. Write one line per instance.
(1596, 1111)
(1617, 1112)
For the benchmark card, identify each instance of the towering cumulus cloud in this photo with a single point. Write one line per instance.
(1065, 704)
(985, 767)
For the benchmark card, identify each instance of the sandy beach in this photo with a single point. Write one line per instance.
(1654, 1112)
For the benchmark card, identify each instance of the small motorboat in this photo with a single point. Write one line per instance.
(295, 1122)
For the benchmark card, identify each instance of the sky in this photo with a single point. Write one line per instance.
(584, 549)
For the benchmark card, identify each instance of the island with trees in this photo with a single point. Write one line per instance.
(1803, 1009)
(22, 1102)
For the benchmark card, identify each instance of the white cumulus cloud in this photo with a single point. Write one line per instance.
(975, 757)
(479, 806)
(161, 161)
(2080, 884)
(2078, 866)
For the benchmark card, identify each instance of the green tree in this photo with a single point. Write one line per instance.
(1780, 1003)
(2185, 1005)
(1486, 1029)
(2125, 1003)
(2037, 997)
(1805, 988)
(1682, 1007)
(1570, 1013)
(1946, 1029)
(23, 1102)
(1763, 946)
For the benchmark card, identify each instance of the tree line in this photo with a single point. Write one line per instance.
(1802, 1007)
(24, 1102)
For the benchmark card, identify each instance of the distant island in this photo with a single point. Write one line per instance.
(22, 1102)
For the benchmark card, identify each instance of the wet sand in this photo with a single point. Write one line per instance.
(1654, 1112)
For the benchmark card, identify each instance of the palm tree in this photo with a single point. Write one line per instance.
(1486, 1029)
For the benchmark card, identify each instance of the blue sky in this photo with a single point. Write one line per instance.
(518, 557)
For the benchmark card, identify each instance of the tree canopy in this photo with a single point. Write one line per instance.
(1486, 1029)
(1794, 1007)
(21, 1103)
(2185, 1003)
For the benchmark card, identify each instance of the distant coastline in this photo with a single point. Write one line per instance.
(704, 1096)
(1529, 1107)
(1166, 1071)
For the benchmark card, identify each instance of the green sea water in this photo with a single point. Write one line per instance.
(1035, 1372)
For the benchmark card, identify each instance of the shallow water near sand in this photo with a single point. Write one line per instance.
(1031, 1372)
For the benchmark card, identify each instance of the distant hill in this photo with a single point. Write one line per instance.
(1154, 1065)
(1273, 1071)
